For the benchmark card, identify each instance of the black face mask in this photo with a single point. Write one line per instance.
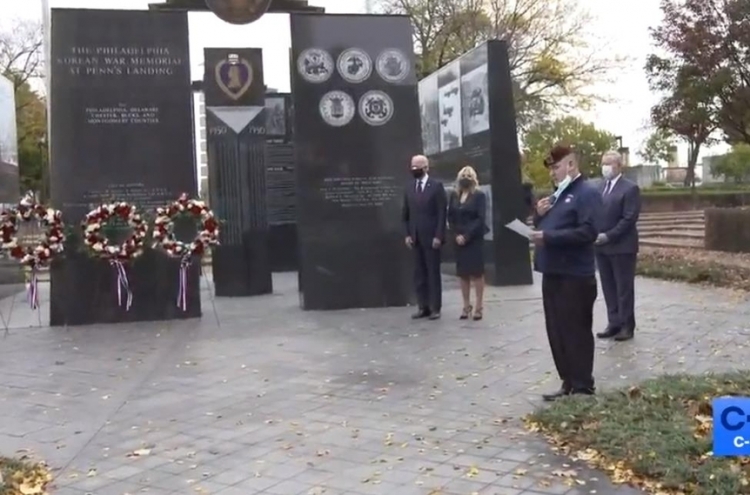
(465, 183)
(418, 173)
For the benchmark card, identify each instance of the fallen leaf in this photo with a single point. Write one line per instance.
(139, 453)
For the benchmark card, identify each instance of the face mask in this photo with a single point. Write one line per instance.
(418, 173)
(562, 186)
(607, 171)
(465, 183)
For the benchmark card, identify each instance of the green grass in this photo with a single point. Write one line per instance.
(691, 266)
(656, 435)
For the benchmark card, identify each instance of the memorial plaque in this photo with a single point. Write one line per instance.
(9, 187)
(121, 130)
(280, 184)
(236, 128)
(468, 118)
(356, 127)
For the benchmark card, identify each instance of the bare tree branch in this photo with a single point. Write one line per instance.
(21, 52)
(552, 57)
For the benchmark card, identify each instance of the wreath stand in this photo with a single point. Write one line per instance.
(210, 287)
(187, 253)
(120, 255)
(32, 258)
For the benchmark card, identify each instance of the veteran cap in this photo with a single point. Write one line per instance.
(557, 153)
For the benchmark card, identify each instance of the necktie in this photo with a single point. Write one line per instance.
(608, 189)
(419, 185)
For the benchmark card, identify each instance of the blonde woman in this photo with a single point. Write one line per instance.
(467, 210)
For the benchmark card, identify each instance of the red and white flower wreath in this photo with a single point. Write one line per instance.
(208, 229)
(49, 219)
(41, 254)
(164, 237)
(118, 255)
(100, 246)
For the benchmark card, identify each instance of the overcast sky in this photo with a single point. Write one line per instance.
(624, 26)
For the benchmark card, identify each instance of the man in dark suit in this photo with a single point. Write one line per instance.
(617, 247)
(564, 253)
(424, 211)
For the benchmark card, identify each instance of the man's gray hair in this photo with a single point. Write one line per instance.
(421, 158)
(612, 156)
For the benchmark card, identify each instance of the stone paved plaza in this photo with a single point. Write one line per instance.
(261, 397)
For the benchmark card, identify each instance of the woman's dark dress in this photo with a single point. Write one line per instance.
(468, 219)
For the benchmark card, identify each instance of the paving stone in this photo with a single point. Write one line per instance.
(263, 397)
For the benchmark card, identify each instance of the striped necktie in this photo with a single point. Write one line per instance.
(608, 189)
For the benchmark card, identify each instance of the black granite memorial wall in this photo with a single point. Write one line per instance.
(121, 130)
(356, 127)
(468, 118)
(280, 185)
(236, 139)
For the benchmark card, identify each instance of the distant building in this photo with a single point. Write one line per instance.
(643, 175)
(201, 152)
(9, 187)
(708, 164)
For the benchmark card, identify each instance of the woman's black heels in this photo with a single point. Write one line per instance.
(478, 314)
(466, 313)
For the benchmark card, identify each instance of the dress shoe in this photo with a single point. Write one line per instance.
(608, 333)
(422, 313)
(556, 395)
(434, 315)
(625, 334)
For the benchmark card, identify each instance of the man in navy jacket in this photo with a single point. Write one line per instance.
(617, 247)
(566, 230)
(423, 216)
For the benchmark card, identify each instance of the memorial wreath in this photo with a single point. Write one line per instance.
(118, 255)
(34, 256)
(164, 236)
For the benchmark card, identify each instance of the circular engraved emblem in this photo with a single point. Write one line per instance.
(315, 65)
(376, 107)
(392, 65)
(238, 11)
(354, 65)
(337, 108)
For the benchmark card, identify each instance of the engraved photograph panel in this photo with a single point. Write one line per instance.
(275, 116)
(449, 98)
(475, 107)
(430, 114)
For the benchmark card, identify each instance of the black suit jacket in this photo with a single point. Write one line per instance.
(621, 208)
(423, 213)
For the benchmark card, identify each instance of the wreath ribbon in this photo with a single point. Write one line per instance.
(123, 285)
(32, 290)
(182, 291)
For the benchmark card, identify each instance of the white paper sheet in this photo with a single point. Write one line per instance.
(520, 228)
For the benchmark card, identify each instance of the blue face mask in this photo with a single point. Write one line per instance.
(562, 186)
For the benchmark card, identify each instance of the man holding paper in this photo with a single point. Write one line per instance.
(564, 240)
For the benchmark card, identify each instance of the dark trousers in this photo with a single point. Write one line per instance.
(617, 275)
(427, 280)
(569, 317)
